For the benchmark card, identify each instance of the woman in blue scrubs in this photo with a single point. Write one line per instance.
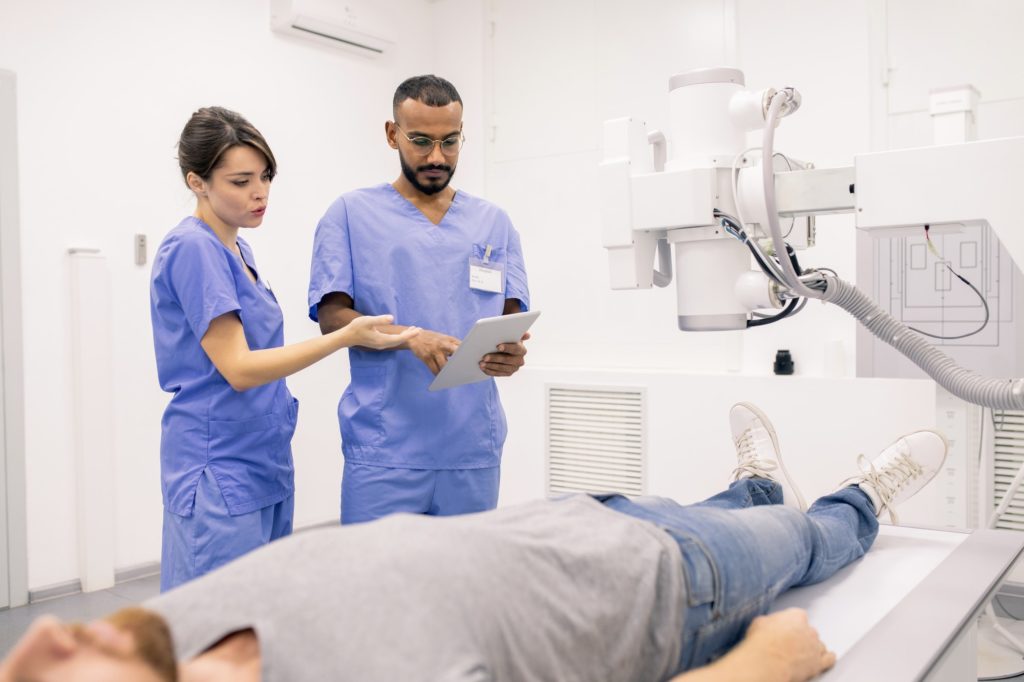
(225, 450)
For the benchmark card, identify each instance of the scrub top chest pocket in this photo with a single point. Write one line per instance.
(487, 269)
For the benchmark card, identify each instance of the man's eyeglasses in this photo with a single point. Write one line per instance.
(423, 145)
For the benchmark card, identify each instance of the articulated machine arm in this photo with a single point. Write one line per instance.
(716, 203)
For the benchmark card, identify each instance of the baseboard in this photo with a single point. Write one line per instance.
(137, 571)
(66, 589)
(55, 591)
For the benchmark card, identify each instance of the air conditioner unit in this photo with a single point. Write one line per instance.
(338, 23)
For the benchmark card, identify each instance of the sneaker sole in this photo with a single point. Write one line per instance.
(778, 452)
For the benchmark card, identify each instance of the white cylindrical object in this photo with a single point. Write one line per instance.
(747, 108)
(702, 129)
(754, 290)
(706, 273)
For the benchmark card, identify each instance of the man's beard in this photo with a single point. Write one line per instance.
(433, 188)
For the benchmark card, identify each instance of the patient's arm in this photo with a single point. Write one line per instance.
(782, 647)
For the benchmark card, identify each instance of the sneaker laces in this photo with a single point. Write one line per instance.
(888, 481)
(749, 461)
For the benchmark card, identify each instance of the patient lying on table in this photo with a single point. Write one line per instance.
(582, 588)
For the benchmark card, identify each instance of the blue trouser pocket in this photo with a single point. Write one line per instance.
(712, 624)
(699, 571)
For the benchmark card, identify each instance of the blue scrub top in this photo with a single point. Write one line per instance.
(377, 247)
(244, 438)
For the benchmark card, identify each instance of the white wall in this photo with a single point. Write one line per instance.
(461, 28)
(104, 89)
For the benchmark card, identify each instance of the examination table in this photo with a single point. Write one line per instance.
(908, 609)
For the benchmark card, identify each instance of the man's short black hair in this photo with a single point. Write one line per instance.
(432, 90)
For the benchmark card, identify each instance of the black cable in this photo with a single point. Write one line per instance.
(758, 256)
(733, 227)
(971, 333)
(786, 312)
(963, 279)
(791, 252)
(794, 305)
(799, 307)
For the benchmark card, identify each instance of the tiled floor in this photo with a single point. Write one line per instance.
(76, 607)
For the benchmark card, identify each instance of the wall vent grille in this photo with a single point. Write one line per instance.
(595, 440)
(1008, 434)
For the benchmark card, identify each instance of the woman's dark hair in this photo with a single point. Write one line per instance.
(210, 133)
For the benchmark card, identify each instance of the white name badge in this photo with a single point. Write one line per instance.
(486, 277)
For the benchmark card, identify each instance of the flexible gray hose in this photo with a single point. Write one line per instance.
(994, 393)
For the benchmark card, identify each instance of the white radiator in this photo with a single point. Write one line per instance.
(1008, 457)
(595, 439)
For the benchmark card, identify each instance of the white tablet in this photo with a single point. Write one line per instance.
(464, 365)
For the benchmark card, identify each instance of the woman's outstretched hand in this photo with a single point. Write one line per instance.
(372, 332)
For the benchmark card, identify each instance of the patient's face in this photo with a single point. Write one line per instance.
(130, 646)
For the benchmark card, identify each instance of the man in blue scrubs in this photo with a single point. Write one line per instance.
(438, 259)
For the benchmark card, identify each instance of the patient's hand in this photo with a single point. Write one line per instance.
(781, 647)
(790, 643)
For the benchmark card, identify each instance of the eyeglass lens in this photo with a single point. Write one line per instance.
(424, 145)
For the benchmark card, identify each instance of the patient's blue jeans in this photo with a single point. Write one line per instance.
(737, 558)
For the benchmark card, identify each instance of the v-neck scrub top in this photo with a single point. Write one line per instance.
(243, 438)
(377, 247)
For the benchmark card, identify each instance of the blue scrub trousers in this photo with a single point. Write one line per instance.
(370, 492)
(737, 560)
(211, 537)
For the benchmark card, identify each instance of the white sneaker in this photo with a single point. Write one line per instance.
(900, 470)
(757, 452)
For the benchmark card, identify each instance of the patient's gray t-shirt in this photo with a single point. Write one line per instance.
(552, 590)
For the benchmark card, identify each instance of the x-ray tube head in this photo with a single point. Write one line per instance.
(706, 275)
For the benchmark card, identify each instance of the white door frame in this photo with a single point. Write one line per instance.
(14, 547)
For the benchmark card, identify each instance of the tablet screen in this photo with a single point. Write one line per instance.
(463, 366)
